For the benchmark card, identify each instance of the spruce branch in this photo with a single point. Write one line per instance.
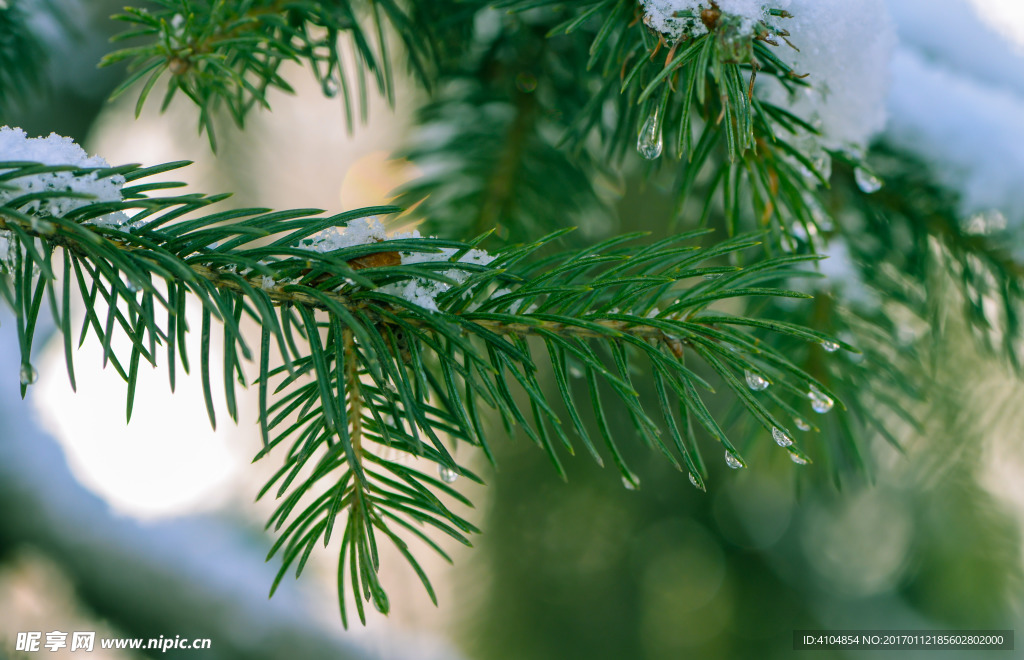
(363, 369)
(229, 53)
(757, 162)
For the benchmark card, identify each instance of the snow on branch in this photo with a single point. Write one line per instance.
(962, 116)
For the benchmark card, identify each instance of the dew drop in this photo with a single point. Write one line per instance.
(797, 458)
(801, 424)
(630, 483)
(381, 604)
(447, 474)
(866, 181)
(821, 403)
(649, 143)
(29, 374)
(696, 484)
(781, 439)
(330, 86)
(756, 381)
(830, 346)
(732, 461)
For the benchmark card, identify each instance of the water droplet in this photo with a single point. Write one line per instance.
(830, 346)
(630, 483)
(801, 424)
(712, 276)
(649, 143)
(447, 474)
(29, 374)
(781, 439)
(381, 604)
(756, 381)
(821, 403)
(330, 86)
(732, 461)
(797, 458)
(866, 181)
(696, 484)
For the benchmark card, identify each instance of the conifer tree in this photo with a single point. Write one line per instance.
(774, 311)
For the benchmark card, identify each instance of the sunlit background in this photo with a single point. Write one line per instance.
(584, 570)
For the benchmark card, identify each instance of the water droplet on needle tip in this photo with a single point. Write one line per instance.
(866, 181)
(330, 86)
(447, 474)
(29, 374)
(780, 437)
(821, 403)
(756, 381)
(649, 143)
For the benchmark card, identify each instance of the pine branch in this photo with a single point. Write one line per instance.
(755, 160)
(364, 367)
(229, 53)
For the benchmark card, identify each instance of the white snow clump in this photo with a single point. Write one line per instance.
(962, 39)
(660, 15)
(15, 145)
(425, 292)
(957, 103)
(418, 291)
(845, 48)
(972, 134)
(358, 232)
